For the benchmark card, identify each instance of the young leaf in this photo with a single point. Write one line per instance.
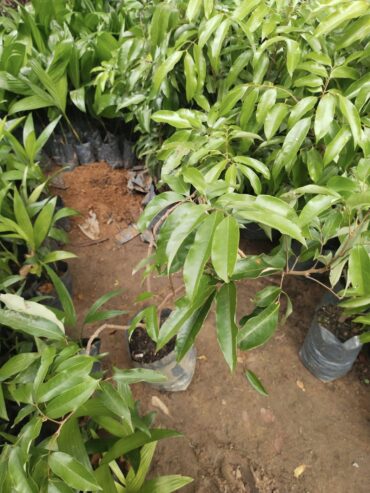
(226, 327)
(165, 484)
(256, 383)
(193, 9)
(99, 303)
(208, 29)
(225, 245)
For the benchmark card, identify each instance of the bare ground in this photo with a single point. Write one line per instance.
(235, 441)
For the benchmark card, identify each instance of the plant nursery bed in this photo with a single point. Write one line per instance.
(305, 437)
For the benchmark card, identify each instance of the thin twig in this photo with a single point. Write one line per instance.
(99, 330)
(324, 286)
(168, 297)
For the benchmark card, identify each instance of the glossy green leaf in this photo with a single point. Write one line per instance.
(225, 245)
(190, 75)
(314, 207)
(156, 205)
(292, 143)
(71, 399)
(336, 145)
(209, 28)
(350, 113)
(349, 11)
(300, 109)
(274, 119)
(293, 55)
(359, 270)
(72, 472)
(165, 68)
(199, 253)
(265, 104)
(165, 484)
(259, 329)
(137, 375)
(34, 326)
(226, 327)
(255, 383)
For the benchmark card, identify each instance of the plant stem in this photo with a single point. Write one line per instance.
(99, 330)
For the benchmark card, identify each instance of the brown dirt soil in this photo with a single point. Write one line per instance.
(235, 441)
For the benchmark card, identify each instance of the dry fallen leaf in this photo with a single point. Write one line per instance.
(298, 471)
(202, 357)
(127, 234)
(156, 402)
(90, 227)
(301, 386)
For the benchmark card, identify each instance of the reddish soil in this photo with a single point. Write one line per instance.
(235, 441)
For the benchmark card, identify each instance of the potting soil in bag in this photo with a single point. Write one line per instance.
(323, 354)
(179, 375)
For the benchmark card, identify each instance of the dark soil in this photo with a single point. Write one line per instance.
(330, 317)
(143, 349)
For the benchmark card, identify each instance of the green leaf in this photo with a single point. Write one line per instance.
(365, 337)
(165, 68)
(292, 143)
(245, 8)
(274, 119)
(266, 102)
(216, 45)
(293, 55)
(156, 205)
(135, 441)
(72, 472)
(71, 399)
(17, 364)
(336, 145)
(252, 178)
(355, 31)
(300, 109)
(248, 107)
(17, 474)
(165, 484)
(226, 327)
(206, 30)
(58, 255)
(89, 317)
(114, 401)
(231, 98)
(193, 9)
(359, 270)
(3, 411)
(43, 223)
(34, 326)
(78, 98)
(190, 75)
(137, 375)
(315, 164)
(208, 8)
(189, 331)
(64, 297)
(314, 207)
(256, 383)
(172, 118)
(334, 20)
(267, 295)
(258, 329)
(23, 219)
(30, 103)
(350, 113)
(255, 164)
(225, 245)
(199, 253)
(178, 226)
(70, 441)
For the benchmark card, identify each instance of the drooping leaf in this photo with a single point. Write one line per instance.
(225, 245)
(258, 329)
(72, 472)
(226, 327)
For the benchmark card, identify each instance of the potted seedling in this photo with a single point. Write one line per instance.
(340, 327)
(56, 397)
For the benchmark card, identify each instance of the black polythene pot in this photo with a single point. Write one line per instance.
(95, 351)
(35, 286)
(179, 375)
(323, 354)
